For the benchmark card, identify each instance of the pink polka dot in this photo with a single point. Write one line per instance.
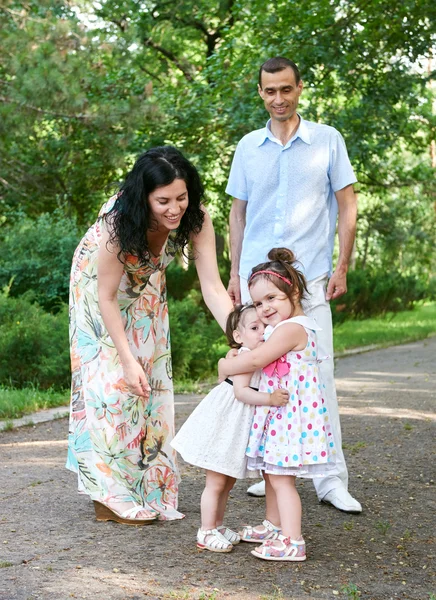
(289, 426)
(299, 403)
(315, 404)
(323, 428)
(309, 426)
(313, 344)
(273, 432)
(279, 416)
(314, 379)
(270, 382)
(294, 408)
(301, 377)
(255, 426)
(286, 458)
(323, 453)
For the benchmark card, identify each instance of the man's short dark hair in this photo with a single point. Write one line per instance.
(278, 63)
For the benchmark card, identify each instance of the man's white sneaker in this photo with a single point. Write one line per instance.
(341, 499)
(257, 489)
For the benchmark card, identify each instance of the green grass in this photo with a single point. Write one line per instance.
(397, 328)
(391, 329)
(16, 403)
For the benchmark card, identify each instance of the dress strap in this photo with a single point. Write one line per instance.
(230, 382)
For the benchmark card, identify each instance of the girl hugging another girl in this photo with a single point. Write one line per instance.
(293, 440)
(215, 436)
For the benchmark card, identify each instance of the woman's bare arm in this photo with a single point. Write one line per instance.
(109, 273)
(214, 293)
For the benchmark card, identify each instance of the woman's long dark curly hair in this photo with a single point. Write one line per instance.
(130, 218)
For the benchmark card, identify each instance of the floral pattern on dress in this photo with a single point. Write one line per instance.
(119, 443)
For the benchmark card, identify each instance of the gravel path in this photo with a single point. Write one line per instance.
(51, 547)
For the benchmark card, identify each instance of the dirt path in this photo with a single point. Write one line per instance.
(52, 548)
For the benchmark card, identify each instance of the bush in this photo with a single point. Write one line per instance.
(181, 281)
(36, 255)
(34, 346)
(197, 342)
(372, 293)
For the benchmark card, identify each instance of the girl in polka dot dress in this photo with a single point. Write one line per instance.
(295, 440)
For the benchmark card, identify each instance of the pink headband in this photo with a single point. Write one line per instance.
(271, 273)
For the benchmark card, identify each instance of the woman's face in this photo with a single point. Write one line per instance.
(168, 204)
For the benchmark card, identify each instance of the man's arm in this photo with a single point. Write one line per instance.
(347, 207)
(237, 227)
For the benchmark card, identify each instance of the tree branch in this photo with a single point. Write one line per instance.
(152, 75)
(170, 56)
(44, 112)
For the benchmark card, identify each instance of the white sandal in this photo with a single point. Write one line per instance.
(213, 540)
(269, 532)
(230, 535)
(282, 548)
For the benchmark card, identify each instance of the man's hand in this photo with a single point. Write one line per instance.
(337, 285)
(279, 398)
(234, 289)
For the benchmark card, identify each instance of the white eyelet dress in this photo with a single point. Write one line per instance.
(215, 435)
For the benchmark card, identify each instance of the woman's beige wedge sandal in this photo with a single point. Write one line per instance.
(104, 513)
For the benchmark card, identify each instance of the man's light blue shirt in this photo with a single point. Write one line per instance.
(290, 194)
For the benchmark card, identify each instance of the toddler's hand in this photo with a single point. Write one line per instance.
(232, 353)
(279, 398)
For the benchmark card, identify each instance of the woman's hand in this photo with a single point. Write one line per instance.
(136, 380)
(279, 398)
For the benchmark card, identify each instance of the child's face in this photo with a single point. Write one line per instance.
(271, 304)
(250, 330)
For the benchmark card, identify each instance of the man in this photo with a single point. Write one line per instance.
(289, 181)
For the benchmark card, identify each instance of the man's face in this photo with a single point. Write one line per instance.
(280, 93)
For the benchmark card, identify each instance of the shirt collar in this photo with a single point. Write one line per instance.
(302, 133)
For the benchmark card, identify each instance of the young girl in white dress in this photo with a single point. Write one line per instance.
(215, 436)
(294, 440)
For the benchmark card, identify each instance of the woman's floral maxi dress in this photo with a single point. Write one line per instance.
(119, 444)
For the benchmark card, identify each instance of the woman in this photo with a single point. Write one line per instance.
(122, 417)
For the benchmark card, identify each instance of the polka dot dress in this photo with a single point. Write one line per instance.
(295, 439)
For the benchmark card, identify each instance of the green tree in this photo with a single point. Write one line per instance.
(106, 81)
(69, 106)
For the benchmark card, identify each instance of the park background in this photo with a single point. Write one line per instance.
(86, 86)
